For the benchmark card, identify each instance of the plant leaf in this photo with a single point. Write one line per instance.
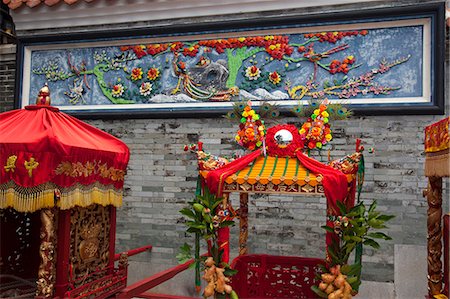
(352, 280)
(196, 225)
(341, 207)
(216, 204)
(319, 292)
(226, 223)
(379, 235)
(371, 243)
(385, 217)
(328, 229)
(351, 270)
(230, 272)
(375, 223)
(188, 212)
(373, 206)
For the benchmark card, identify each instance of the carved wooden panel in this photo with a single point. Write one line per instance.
(89, 248)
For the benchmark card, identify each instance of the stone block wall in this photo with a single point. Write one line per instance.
(7, 76)
(161, 178)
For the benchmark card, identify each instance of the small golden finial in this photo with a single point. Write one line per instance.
(43, 97)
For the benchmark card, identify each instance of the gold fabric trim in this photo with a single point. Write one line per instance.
(43, 196)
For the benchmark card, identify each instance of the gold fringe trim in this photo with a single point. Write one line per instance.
(85, 198)
(40, 197)
(437, 165)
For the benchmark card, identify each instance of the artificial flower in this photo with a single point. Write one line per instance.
(316, 131)
(251, 129)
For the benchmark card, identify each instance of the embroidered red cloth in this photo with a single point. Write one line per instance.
(437, 136)
(40, 144)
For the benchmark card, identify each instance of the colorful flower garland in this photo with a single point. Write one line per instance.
(251, 129)
(316, 132)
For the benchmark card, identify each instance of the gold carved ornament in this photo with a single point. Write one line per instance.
(89, 248)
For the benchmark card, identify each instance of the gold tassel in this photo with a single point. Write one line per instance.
(32, 199)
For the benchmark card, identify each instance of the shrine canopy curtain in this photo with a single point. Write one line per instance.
(44, 151)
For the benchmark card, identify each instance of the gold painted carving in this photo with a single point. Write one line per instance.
(89, 248)
(434, 198)
(47, 268)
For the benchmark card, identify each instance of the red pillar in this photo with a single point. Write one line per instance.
(63, 252)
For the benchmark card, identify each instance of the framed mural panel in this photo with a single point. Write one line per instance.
(377, 62)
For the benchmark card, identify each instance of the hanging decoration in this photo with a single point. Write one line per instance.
(283, 141)
(316, 132)
(251, 129)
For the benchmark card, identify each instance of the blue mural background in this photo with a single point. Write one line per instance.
(78, 84)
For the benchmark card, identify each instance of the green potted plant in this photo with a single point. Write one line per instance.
(353, 229)
(204, 217)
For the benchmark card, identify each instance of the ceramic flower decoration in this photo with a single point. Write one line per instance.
(153, 74)
(251, 129)
(145, 89)
(316, 132)
(253, 72)
(117, 90)
(136, 74)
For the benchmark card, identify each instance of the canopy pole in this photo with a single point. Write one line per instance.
(243, 223)
(434, 199)
(224, 234)
(62, 259)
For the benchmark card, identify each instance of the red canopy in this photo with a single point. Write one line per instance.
(43, 150)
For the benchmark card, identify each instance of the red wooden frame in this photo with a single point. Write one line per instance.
(137, 289)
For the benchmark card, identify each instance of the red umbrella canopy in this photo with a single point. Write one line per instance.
(44, 151)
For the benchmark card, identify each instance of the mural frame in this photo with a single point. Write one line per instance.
(433, 104)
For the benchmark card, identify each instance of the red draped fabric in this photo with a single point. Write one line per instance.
(334, 182)
(41, 146)
(216, 178)
(334, 185)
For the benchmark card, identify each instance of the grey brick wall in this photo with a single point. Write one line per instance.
(7, 76)
(161, 179)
